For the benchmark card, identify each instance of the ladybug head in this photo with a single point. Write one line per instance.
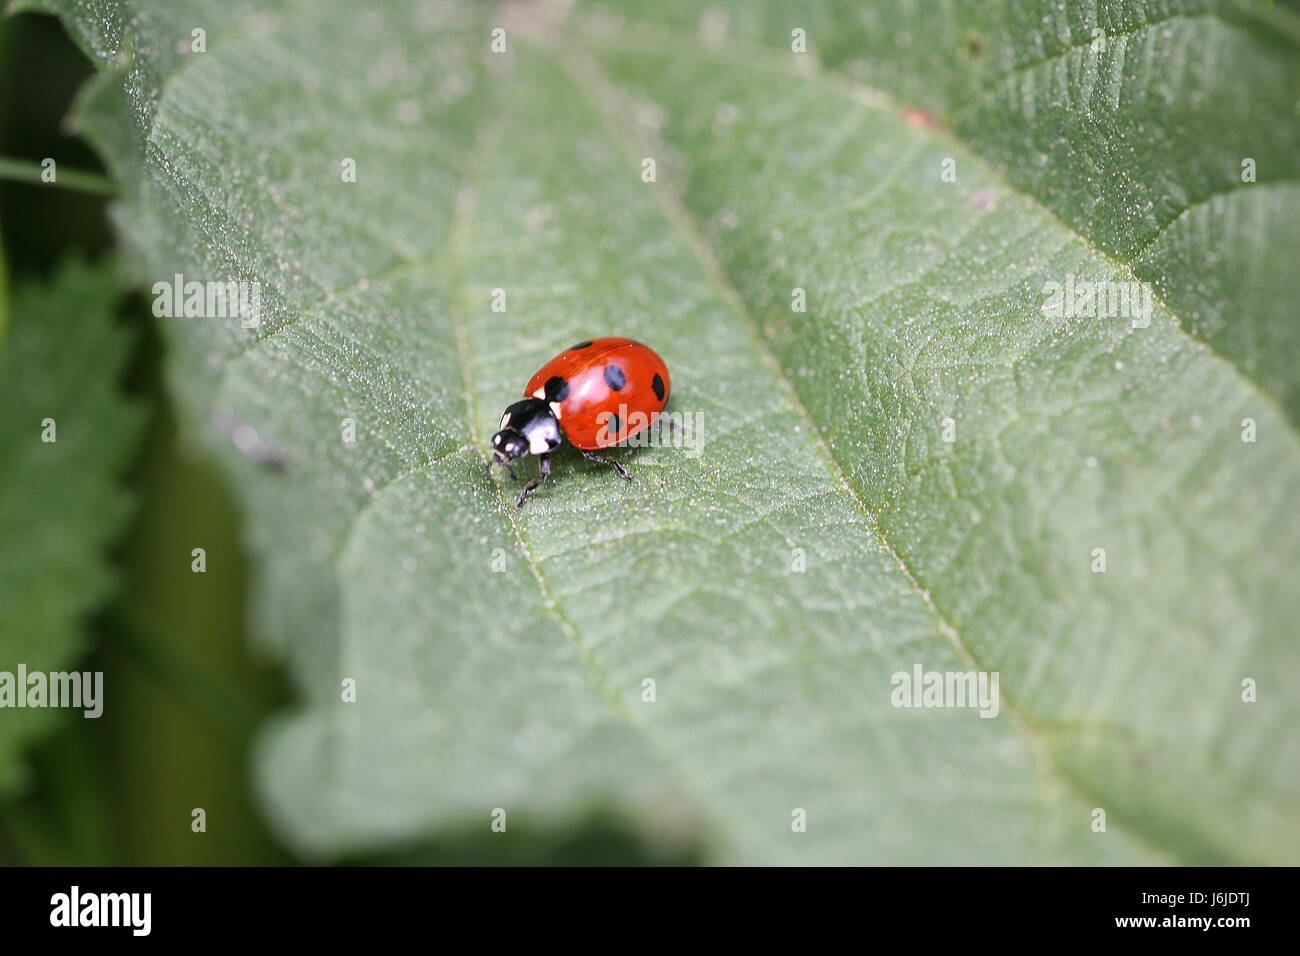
(508, 444)
(526, 427)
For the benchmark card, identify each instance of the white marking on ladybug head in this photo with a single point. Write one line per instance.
(540, 393)
(537, 443)
(555, 410)
(505, 420)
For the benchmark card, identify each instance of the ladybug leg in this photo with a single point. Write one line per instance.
(544, 463)
(606, 461)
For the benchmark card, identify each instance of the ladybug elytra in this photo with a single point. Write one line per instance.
(596, 394)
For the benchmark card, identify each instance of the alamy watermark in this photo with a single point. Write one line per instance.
(1075, 298)
(922, 688)
(75, 908)
(684, 430)
(74, 689)
(209, 300)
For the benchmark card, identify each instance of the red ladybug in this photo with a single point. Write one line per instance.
(596, 394)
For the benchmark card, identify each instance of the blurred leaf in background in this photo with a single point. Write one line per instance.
(67, 435)
(183, 693)
(40, 72)
(910, 465)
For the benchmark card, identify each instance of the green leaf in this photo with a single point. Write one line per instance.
(829, 535)
(1131, 121)
(60, 501)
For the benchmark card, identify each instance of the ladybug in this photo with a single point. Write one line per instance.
(597, 394)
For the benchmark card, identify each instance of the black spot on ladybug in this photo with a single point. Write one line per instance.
(580, 346)
(613, 426)
(557, 389)
(658, 385)
(615, 378)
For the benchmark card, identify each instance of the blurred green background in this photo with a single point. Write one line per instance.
(171, 643)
